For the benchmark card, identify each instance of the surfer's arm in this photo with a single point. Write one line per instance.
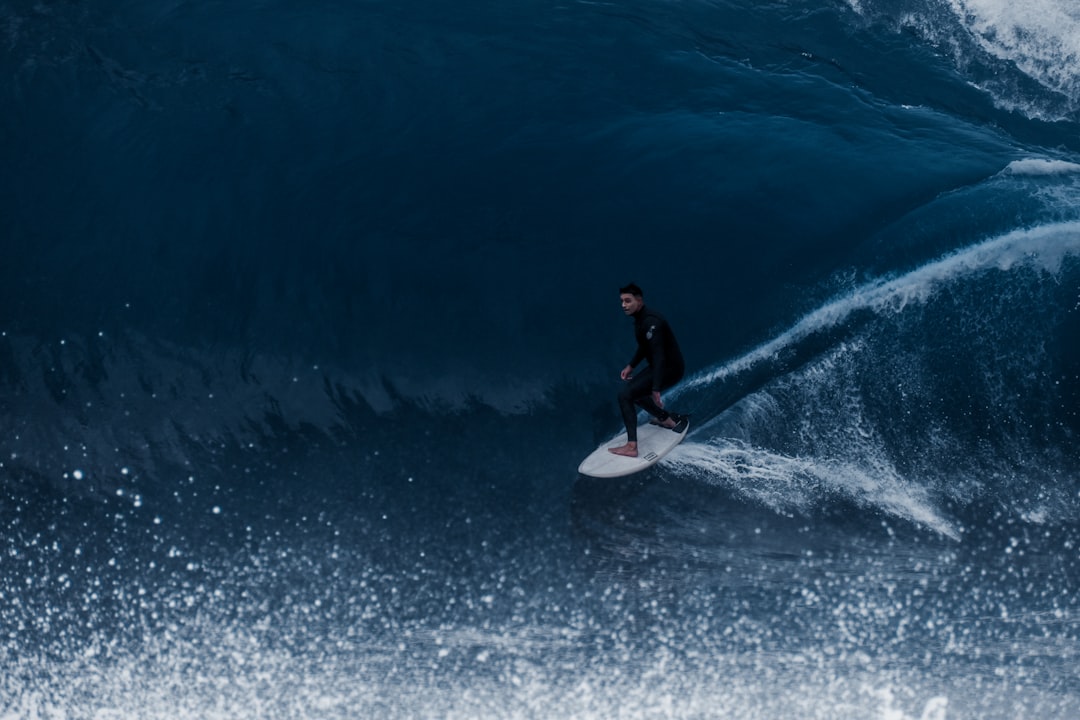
(657, 359)
(627, 371)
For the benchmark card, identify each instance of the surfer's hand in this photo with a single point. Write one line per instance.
(627, 373)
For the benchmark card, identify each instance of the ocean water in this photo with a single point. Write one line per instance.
(308, 313)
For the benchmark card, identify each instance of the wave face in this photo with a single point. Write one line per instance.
(307, 315)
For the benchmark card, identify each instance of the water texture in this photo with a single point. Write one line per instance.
(308, 313)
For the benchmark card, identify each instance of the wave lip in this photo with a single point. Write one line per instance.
(1044, 247)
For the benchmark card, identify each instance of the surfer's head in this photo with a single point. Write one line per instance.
(632, 298)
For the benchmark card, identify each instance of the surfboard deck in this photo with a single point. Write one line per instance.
(654, 442)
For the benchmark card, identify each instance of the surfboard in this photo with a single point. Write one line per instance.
(654, 442)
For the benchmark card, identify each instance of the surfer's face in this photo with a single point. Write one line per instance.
(630, 303)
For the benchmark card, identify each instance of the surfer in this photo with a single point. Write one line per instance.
(655, 343)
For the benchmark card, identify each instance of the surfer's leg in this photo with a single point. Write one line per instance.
(631, 394)
(638, 392)
(646, 402)
(663, 417)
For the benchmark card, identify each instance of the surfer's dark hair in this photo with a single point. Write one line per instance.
(631, 289)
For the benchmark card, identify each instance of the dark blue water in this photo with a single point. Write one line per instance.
(308, 312)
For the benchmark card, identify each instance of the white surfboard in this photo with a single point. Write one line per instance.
(654, 442)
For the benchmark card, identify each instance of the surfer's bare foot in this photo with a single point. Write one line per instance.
(669, 423)
(627, 450)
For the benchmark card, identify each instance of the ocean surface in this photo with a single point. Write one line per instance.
(309, 311)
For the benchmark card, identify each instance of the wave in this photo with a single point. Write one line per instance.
(412, 293)
(927, 396)
(100, 415)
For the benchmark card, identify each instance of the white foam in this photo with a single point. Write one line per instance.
(1041, 38)
(1038, 39)
(787, 484)
(1041, 166)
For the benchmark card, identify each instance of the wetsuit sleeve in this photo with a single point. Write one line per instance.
(655, 334)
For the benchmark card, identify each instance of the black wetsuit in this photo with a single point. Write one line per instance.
(657, 345)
